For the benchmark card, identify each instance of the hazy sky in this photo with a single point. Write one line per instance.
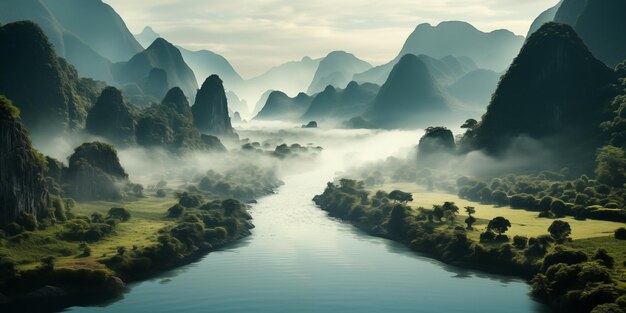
(256, 35)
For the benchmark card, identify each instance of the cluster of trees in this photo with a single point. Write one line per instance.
(551, 194)
(281, 151)
(242, 182)
(568, 279)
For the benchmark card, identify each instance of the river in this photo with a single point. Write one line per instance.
(300, 260)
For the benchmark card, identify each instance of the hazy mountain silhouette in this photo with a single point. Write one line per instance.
(206, 63)
(51, 96)
(146, 37)
(336, 69)
(210, 110)
(446, 70)
(87, 61)
(494, 50)
(237, 105)
(345, 103)
(160, 54)
(555, 89)
(96, 24)
(261, 103)
(545, 17)
(279, 106)
(475, 87)
(291, 77)
(409, 98)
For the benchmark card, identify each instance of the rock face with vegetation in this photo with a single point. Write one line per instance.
(409, 98)
(436, 140)
(210, 111)
(56, 99)
(111, 118)
(556, 90)
(95, 173)
(22, 184)
(162, 55)
(170, 125)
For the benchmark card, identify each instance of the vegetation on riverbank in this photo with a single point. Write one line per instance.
(85, 252)
(569, 275)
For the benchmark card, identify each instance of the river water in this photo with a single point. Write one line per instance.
(300, 260)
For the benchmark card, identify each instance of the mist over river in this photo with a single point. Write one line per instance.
(300, 260)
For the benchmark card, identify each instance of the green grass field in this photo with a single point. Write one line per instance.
(148, 217)
(523, 222)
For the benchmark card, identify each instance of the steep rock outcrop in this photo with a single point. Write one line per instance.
(554, 89)
(22, 183)
(341, 103)
(111, 118)
(50, 95)
(95, 173)
(210, 110)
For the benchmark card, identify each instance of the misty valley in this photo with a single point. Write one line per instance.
(475, 171)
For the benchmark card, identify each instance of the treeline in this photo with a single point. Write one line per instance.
(567, 279)
(550, 194)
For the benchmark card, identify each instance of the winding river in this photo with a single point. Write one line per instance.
(300, 260)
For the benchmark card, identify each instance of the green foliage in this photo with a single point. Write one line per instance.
(560, 231)
(189, 200)
(400, 196)
(604, 258)
(27, 221)
(611, 166)
(13, 229)
(176, 211)
(499, 225)
(119, 213)
(620, 233)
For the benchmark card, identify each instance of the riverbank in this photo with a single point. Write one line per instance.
(88, 278)
(539, 259)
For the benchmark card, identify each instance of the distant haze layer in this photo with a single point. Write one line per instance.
(256, 35)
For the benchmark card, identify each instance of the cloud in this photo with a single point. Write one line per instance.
(256, 35)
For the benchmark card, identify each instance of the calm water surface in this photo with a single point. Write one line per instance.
(300, 260)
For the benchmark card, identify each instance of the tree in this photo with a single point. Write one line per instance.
(558, 207)
(438, 212)
(470, 124)
(400, 196)
(470, 210)
(470, 220)
(560, 231)
(611, 166)
(604, 258)
(620, 233)
(499, 225)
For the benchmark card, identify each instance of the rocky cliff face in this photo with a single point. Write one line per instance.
(554, 88)
(111, 118)
(436, 144)
(22, 184)
(47, 90)
(175, 99)
(280, 107)
(95, 173)
(210, 110)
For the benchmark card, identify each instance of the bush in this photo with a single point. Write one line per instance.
(13, 229)
(558, 207)
(189, 200)
(161, 193)
(487, 236)
(176, 211)
(620, 233)
(217, 233)
(566, 256)
(119, 213)
(520, 242)
(27, 221)
(604, 258)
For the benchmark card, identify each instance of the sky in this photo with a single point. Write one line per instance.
(257, 35)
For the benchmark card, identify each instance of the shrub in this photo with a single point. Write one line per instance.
(161, 193)
(189, 200)
(119, 213)
(487, 236)
(13, 229)
(175, 211)
(620, 233)
(566, 256)
(604, 258)
(217, 233)
(520, 242)
(558, 207)
(27, 221)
